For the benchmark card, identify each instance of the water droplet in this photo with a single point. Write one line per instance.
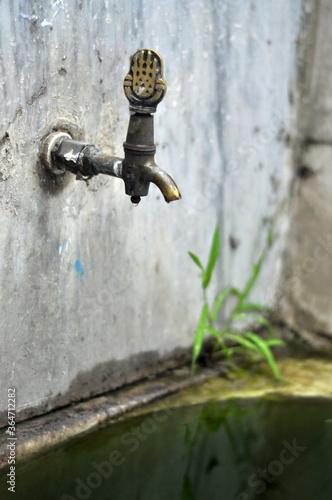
(135, 200)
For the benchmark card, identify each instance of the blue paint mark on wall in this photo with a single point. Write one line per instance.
(79, 268)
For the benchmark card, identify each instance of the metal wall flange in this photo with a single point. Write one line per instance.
(66, 129)
(50, 144)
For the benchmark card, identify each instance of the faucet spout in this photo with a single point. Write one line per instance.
(165, 183)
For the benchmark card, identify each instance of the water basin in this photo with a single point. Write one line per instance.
(266, 448)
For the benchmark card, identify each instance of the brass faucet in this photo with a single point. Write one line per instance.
(144, 87)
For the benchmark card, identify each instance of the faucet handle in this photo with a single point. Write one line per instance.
(145, 85)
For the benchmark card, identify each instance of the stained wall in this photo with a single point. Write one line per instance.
(96, 292)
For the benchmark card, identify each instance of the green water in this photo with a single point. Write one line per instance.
(239, 450)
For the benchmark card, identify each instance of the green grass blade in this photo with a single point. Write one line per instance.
(253, 306)
(265, 350)
(213, 332)
(251, 317)
(255, 270)
(197, 261)
(220, 300)
(275, 342)
(239, 339)
(252, 280)
(187, 490)
(271, 331)
(199, 334)
(214, 253)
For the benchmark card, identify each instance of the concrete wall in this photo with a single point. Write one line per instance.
(94, 292)
(307, 297)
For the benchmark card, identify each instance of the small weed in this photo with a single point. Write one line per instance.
(230, 339)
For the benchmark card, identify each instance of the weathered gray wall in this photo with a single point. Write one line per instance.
(307, 297)
(95, 292)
